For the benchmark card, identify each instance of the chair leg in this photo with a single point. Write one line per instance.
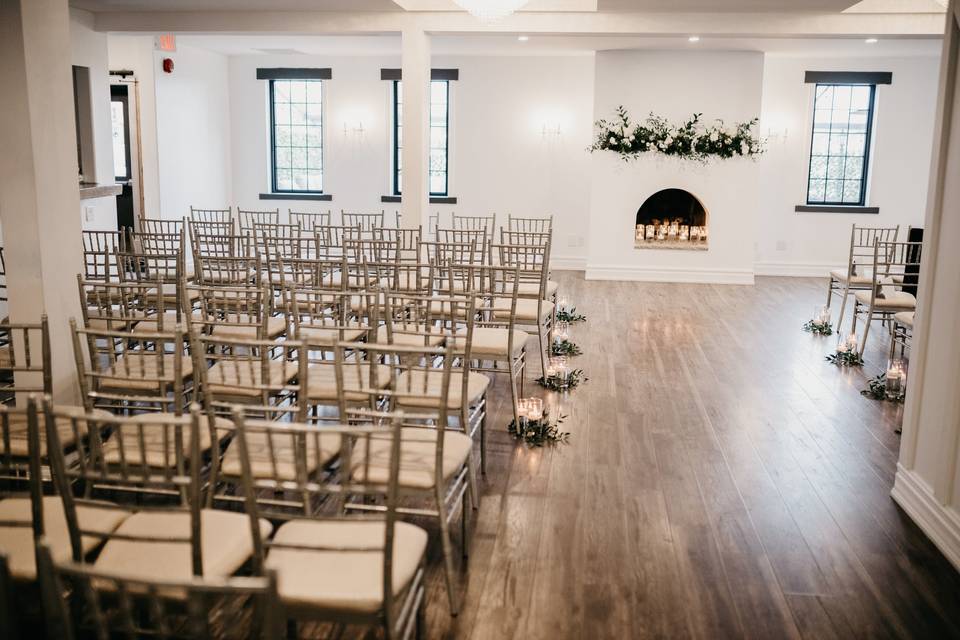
(843, 307)
(866, 331)
(829, 290)
(543, 357)
(449, 570)
(472, 484)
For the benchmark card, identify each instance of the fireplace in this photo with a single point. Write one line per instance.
(672, 219)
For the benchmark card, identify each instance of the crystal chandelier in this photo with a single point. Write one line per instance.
(491, 10)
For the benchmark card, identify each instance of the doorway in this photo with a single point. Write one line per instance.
(125, 124)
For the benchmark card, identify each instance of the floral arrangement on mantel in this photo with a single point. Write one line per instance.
(691, 140)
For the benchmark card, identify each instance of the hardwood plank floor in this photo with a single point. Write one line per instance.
(722, 481)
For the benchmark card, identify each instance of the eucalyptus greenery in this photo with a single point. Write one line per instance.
(877, 390)
(555, 383)
(845, 359)
(565, 348)
(570, 315)
(536, 433)
(691, 140)
(819, 328)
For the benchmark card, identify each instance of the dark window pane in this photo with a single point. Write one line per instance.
(839, 145)
(297, 114)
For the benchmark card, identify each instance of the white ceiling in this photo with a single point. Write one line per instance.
(784, 6)
(502, 44)
(106, 6)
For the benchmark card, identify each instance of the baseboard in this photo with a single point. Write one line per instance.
(568, 263)
(669, 274)
(795, 269)
(939, 522)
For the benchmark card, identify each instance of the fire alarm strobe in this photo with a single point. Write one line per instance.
(168, 65)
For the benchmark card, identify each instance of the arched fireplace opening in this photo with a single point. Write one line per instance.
(672, 219)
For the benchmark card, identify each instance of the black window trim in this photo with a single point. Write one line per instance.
(446, 145)
(273, 135)
(861, 203)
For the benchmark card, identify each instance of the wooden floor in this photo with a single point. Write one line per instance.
(722, 481)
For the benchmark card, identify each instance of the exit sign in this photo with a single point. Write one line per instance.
(165, 42)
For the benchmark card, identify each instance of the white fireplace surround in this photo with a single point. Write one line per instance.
(724, 85)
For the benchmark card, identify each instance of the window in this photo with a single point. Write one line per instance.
(296, 135)
(840, 144)
(439, 137)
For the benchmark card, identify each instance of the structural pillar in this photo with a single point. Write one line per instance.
(39, 196)
(415, 64)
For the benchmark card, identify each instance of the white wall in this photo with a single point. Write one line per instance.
(500, 160)
(674, 84)
(89, 49)
(792, 243)
(193, 132)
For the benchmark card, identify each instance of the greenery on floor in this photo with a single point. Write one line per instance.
(570, 315)
(556, 382)
(819, 328)
(565, 348)
(877, 390)
(845, 359)
(537, 433)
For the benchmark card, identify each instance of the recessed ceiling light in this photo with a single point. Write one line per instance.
(694, 39)
(871, 41)
(523, 38)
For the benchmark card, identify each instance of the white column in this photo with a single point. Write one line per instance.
(39, 198)
(927, 485)
(415, 201)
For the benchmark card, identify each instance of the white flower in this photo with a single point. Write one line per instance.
(744, 148)
(650, 146)
(714, 136)
(613, 140)
(631, 138)
(668, 141)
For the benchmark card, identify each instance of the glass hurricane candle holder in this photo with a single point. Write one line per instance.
(563, 302)
(561, 331)
(894, 379)
(522, 411)
(684, 232)
(534, 409)
(651, 232)
(821, 314)
(847, 343)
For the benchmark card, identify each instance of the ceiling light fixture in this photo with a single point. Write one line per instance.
(693, 39)
(523, 38)
(490, 10)
(871, 41)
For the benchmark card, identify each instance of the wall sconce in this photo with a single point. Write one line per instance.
(777, 135)
(356, 130)
(550, 130)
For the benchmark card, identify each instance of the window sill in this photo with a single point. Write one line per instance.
(296, 196)
(433, 199)
(834, 208)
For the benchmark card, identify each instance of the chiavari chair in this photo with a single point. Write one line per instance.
(122, 306)
(99, 251)
(309, 221)
(27, 516)
(333, 568)
(884, 298)
(533, 239)
(225, 260)
(902, 332)
(366, 221)
(249, 219)
(495, 339)
(24, 359)
(318, 273)
(160, 262)
(198, 608)
(408, 242)
(532, 308)
(212, 215)
(161, 226)
(530, 225)
(3, 277)
(236, 312)
(856, 276)
(480, 238)
(434, 462)
(330, 239)
(125, 370)
(159, 454)
(322, 316)
(487, 224)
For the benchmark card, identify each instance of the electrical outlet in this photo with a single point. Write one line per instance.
(88, 214)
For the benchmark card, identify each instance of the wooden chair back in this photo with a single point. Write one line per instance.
(309, 221)
(25, 360)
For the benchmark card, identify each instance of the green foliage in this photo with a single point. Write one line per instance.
(565, 348)
(691, 140)
(845, 359)
(570, 315)
(877, 390)
(555, 383)
(536, 433)
(819, 328)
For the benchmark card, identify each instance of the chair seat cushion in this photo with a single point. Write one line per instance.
(226, 545)
(526, 310)
(321, 449)
(899, 300)
(153, 439)
(418, 451)
(19, 446)
(425, 388)
(409, 337)
(840, 275)
(244, 378)
(532, 288)
(276, 327)
(143, 373)
(322, 381)
(494, 342)
(342, 579)
(17, 542)
(905, 318)
(150, 325)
